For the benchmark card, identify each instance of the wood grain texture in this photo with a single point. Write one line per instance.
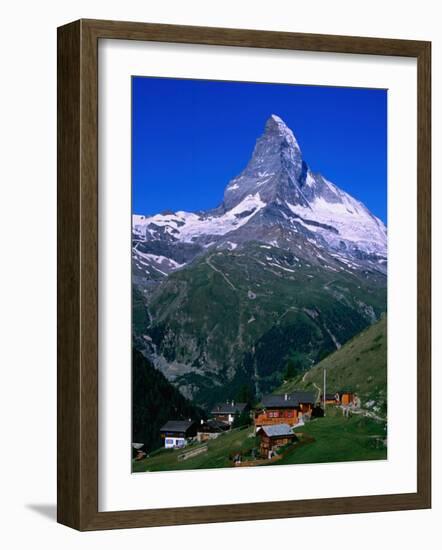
(68, 276)
(424, 273)
(78, 273)
(252, 38)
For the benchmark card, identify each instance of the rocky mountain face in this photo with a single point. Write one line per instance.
(289, 266)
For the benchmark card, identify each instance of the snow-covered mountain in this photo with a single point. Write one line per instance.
(287, 266)
(276, 199)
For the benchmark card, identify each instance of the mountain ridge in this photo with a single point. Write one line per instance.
(276, 188)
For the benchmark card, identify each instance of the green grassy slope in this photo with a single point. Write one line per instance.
(217, 456)
(234, 317)
(339, 439)
(360, 365)
(336, 439)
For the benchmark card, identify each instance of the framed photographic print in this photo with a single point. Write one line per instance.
(243, 275)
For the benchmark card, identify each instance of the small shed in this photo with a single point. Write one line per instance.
(274, 436)
(330, 398)
(175, 433)
(346, 397)
(226, 412)
(210, 429)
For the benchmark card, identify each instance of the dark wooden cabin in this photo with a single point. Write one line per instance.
(226, 412)
(211, 429)
(273, 437)
(330, 399)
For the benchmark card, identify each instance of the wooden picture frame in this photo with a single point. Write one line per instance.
(78, 274)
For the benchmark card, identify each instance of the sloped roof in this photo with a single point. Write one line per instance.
(304, 396)
(277, 430)
(228, 408)
(177, 426)
(329, 396)
(278, 401)
(288, 400)
(213, 425)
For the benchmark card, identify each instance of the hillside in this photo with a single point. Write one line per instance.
(340, 439)
(331, 439)
(220, 451)
(360, 365)
(238, 316)
(155, 401)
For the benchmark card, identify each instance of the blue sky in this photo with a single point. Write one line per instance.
(191, 137)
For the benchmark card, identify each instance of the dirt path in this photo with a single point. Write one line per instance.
(369, 414)
(221, 273)
(303, 378)
(319, 390)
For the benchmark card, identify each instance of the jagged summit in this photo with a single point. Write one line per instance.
(274, 168)
(276, 189)
(276, 126)
(277, 119)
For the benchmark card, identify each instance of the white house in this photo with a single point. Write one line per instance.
(176, 433)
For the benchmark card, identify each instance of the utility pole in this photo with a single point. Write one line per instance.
(323, 392)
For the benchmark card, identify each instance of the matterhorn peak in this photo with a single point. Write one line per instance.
(276, 127)
(274, 168)
(278, 190)
(276, 120)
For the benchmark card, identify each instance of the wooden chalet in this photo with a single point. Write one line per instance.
(288, 408)
(273, 437)
(226, 412)
(330, 399)
(176, 433)
(346, 397)
(211, 429)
